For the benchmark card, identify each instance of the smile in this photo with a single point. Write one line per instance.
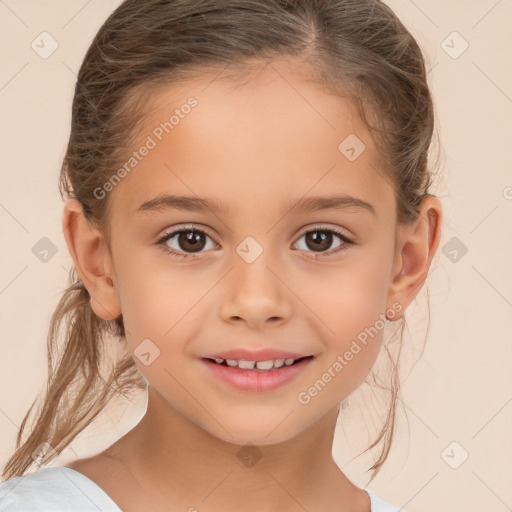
(256, 376)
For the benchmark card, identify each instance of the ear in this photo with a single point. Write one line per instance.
(416, 246)
(92, 259)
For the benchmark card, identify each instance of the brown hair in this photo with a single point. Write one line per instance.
(355, 47)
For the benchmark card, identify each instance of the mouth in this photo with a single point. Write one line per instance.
(246, 376)
(259, 366)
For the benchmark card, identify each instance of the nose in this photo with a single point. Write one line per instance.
(256, 293)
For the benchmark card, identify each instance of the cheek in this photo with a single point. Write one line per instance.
(155, 297)
(158, 309)
(350, 305)
(351, 296)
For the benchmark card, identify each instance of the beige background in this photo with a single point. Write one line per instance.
(457, 397)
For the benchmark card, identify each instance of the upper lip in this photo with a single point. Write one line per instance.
(266, 354)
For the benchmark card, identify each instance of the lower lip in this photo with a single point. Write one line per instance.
(254, 380)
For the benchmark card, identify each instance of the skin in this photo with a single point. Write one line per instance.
(255, 147)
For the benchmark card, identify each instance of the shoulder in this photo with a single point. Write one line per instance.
(379, 505)
(55, 489)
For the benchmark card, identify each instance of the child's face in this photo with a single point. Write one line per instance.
(256, 150)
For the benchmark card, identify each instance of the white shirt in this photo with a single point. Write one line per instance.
(62, 489)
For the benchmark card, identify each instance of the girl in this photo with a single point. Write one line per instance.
(247, 209)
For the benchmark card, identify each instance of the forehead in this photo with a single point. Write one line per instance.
(266, 137)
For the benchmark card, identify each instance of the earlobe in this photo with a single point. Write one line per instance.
(416, 248)
(88, 248)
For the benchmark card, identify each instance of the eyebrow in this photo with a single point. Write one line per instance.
(204, 205)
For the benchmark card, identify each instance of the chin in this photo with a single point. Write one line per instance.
(263, 434)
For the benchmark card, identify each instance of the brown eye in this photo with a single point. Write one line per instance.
(185, 241)
(321, 241)
(191, 241)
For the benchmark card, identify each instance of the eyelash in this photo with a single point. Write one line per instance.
(343, 247)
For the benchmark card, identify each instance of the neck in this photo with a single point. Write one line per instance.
(181, 463)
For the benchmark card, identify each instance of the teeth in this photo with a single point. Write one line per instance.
(260, 365)
(264, 365)
(246, 365)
